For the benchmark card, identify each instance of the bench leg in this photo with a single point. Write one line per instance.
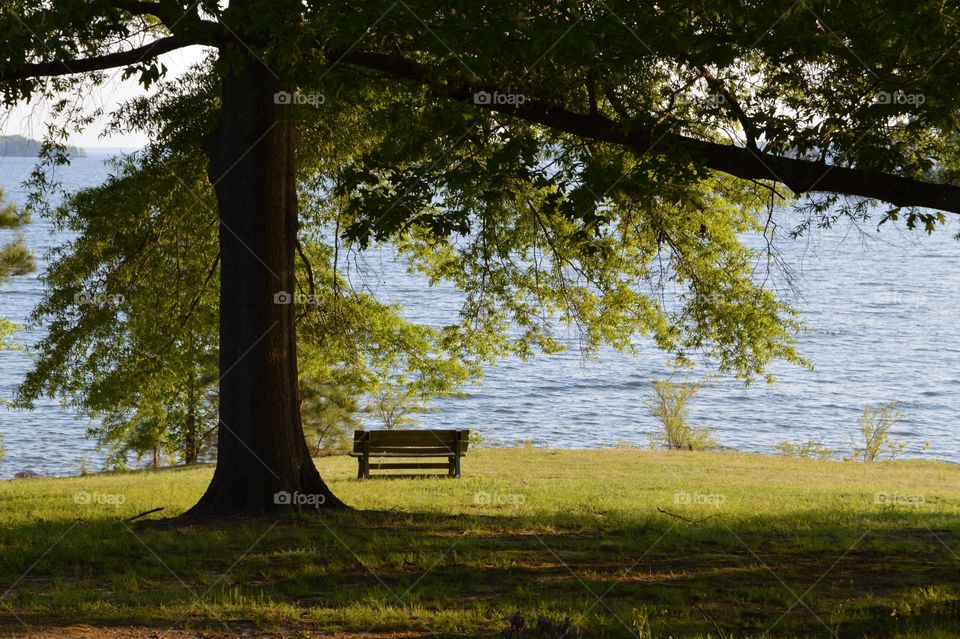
(359, 467)
(456, 464)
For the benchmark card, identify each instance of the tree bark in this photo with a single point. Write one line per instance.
(262, 457)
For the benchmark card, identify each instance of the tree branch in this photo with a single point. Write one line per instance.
(801, 176)
(103, 62)
(734, 107)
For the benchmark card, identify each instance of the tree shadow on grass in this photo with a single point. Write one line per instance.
(813, 573)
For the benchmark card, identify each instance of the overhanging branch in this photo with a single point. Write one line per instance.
(800, 176)
(103, 62)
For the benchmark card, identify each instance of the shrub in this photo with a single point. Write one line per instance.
(670, 407)
(810, 449)
(397, 405)
(875, 425)
(478, 440)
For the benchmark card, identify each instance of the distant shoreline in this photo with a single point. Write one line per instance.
(18, 146)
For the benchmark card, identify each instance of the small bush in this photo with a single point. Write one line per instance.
(875, 425)
(808, 450)
(670, 407)
(397, 405)
(478, 440)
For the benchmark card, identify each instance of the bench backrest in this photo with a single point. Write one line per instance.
(414, 442)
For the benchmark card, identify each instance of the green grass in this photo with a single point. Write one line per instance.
(750, 546)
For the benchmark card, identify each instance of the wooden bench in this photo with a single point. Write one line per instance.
(393, 444)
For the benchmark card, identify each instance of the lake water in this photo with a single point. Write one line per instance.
(883, 328)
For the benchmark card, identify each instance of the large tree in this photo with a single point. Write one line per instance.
(541, 155)
(130, 308)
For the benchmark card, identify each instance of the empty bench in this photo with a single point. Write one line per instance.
(449, 445)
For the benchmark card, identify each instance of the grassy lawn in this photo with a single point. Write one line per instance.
(749, 546)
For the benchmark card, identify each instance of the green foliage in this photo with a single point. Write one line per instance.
(174, 417)
(875, 425)
(479, 440)
(670, 407)
(501, 218)
(329, 417)
(3, 452)
(396, 406)
(15, 258)
(7, 328)
(810, 449)
(132, 304)
(131, 307)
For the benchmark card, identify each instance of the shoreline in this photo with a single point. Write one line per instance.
(724, 450)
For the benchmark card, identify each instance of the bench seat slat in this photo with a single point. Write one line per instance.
(417, 450)
(411, 453)
(419, 440)
(406, 466)
(413, 432)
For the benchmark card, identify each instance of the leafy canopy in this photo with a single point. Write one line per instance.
(593, 196)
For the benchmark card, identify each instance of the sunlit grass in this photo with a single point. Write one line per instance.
(624, 542)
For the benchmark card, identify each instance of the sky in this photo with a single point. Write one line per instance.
(29, 119)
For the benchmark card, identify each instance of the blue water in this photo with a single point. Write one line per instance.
(882, 328)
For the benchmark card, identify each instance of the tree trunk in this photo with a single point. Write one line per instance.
(263, 465)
